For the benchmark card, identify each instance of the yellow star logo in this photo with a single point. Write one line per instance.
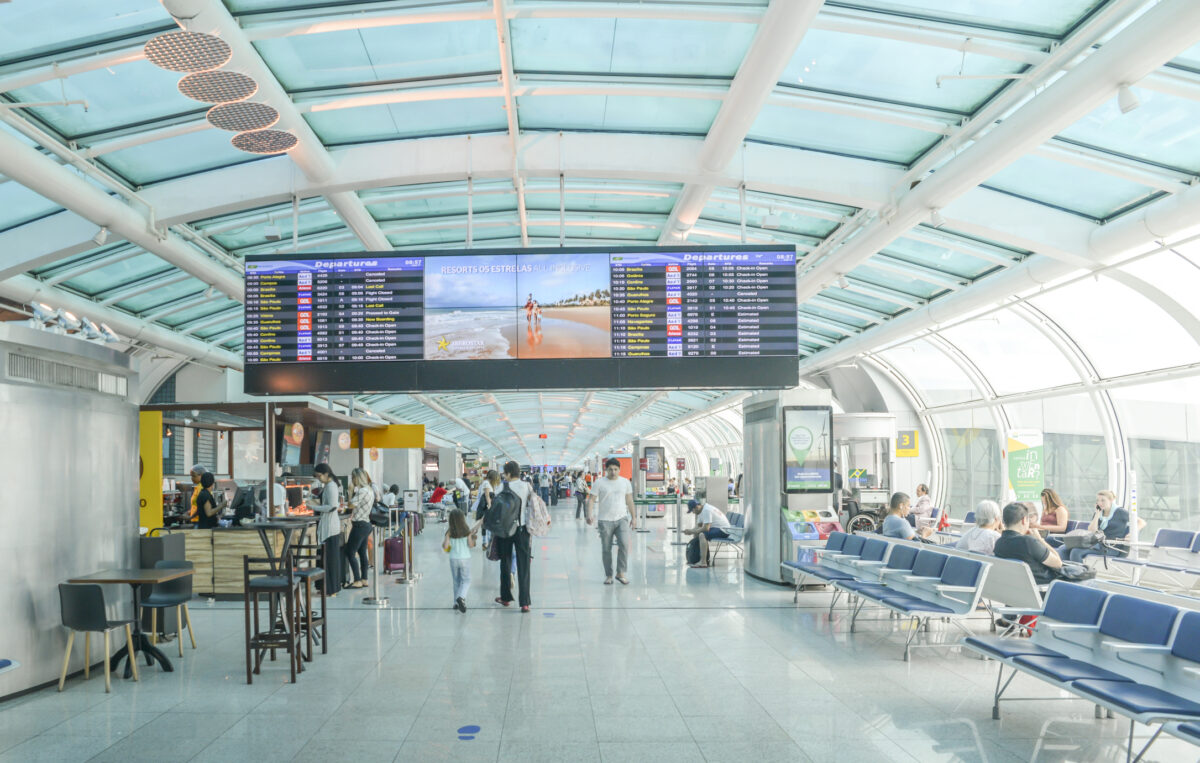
(443, 344)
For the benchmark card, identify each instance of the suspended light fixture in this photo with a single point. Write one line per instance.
(187, 51)
(90, 331)
(218, 86)
(110, 336)
(936, 219)
(100, 237)
(243, 116)
(264, 141)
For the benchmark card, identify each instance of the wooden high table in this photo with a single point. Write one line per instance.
(136, 578)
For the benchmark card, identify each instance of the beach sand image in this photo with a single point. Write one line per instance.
(565, 332)
(470, 334)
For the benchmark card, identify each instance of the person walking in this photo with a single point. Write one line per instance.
(458, 542)
(362, 500)
(518, 543)
(581, 495)
(324, 501)
(611, 504)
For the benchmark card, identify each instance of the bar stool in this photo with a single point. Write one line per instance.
(276, 578)
(173, 593)
(83, 610)
(307, 570)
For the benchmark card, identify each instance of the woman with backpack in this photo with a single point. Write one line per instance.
(514, 496)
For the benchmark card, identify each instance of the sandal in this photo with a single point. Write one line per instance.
(624, 580)
(608, 581)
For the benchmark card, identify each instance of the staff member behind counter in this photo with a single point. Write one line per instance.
(207, 509)
(196, 472)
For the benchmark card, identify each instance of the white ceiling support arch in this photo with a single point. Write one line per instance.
(439, 409)
(211, 17)
(36, 171)
(24, 289)
(507, 81)
(780, 31)
(619, 422)
(1151, 40)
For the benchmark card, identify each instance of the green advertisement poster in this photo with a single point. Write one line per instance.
(1026, 475)
(807, 449)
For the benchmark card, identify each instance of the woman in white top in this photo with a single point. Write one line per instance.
(981, 539)
(362, 500)
(324, 501)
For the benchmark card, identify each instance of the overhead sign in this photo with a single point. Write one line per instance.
(1026, 477)
(680, 464)
(907, 444)
(542, 437)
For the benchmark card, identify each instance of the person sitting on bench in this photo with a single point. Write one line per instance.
(895, 524)
(710, 524)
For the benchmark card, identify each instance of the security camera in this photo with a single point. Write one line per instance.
(272, 233)
(195, 412)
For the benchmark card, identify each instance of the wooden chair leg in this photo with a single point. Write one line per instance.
(187, 618)
(129, 646)
(62, 679)
(87, 656)
(154, 625)
(291, 624)
(179, 628)
(107, 671)
(324, 626)
(246, 597)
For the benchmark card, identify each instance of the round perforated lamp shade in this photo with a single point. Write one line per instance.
(187, 51)
(218, 87)
(264, 141)
(243, 116)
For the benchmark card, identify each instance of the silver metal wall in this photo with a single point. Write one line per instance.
(69, 469)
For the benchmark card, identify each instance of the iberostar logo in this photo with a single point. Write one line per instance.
(443, 344)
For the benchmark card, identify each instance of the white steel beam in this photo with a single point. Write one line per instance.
(1145, 44)
(40, 173)
(779, 32)
(310, 155)
(442, 411)
(619, 422)
(507, 80)
(24, 289)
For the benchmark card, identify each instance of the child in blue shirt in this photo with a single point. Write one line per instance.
(458, 541)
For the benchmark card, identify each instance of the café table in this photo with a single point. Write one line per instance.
(135, 579)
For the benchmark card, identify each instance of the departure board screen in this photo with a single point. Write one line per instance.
(514, 319)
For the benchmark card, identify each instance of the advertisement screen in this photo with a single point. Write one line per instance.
(807, 449)
(674, 317)
(656, 463)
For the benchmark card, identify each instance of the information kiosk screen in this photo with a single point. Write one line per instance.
(698, 317)
(808, 449)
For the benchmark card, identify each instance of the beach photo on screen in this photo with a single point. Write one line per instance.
(563, 306)
(469, 307)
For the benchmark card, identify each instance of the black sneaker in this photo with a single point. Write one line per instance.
(461, 604)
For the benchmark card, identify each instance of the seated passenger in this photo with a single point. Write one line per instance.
(896, 525)
(1054, 515)
(981, 538)
(1111, 520)
(1021, 543)
(710, 524)
(923, 508)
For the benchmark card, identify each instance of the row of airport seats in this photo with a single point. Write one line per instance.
(911, 582)
(1172, 561)
(1133, 656)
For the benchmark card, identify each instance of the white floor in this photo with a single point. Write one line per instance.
(680, 665)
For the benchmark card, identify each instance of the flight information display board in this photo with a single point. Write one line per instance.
(697, 317)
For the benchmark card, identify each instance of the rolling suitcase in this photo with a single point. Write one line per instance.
(393, 554)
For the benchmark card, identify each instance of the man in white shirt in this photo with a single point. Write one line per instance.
(611, 503)
(711, 523)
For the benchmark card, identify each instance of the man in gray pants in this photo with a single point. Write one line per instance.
(611, 503)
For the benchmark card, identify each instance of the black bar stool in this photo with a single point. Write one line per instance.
(307, 570)
(83, 610)
(277, 579)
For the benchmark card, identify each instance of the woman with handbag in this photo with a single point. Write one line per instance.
(362, 500)
(1112, 523)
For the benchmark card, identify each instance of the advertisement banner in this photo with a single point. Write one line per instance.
(807, 449)
(1026, 476)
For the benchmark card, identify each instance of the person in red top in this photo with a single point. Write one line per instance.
(439, 493)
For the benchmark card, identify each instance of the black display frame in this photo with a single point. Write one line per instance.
(783, 448)
(660, 476)
(368, 377)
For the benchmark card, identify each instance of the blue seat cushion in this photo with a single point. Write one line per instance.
(913, 604)
(1066, 669)
(269, 581)
(817, 570)
(311, 572)
(1190, 729)
(157, 601)
(1004, 648)
(864, 586)
(1139, 699)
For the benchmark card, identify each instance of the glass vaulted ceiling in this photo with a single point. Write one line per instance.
(616, 97)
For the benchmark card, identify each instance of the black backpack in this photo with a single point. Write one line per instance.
(693, 551)
(504, 517)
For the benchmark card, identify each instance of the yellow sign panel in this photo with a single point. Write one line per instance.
(907, 444)
(150, 469)
(392, 436)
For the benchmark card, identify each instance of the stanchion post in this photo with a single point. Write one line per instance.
(375, 600)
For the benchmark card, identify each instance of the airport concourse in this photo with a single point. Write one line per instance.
(619, 380)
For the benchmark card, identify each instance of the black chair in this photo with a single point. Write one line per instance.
(277, 579)
(173, 593)
(83, 610)
(305, 556)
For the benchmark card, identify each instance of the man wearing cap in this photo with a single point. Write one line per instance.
(197, 472)
(711, 523)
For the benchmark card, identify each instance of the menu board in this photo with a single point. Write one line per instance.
(424, 320)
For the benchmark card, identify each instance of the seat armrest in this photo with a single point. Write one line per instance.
(893, 572)
(865, 563)
(919, 578)
(962, 588)
(1070, 627)
(1193, 672)
(1124, 646)
(1018, 612)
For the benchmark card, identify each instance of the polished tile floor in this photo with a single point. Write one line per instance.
(680, 665)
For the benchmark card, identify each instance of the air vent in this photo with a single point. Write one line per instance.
(42, 371)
